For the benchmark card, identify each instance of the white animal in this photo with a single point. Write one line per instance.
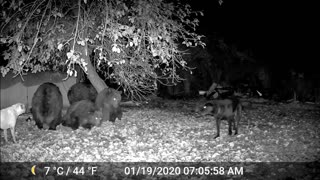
(9, 117)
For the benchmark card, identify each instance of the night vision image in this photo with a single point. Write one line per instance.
(159, 89)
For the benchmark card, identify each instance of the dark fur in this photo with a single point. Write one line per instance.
(47, 105)
(82, 113)
(81, 91)
(229, 109)
(108, 102)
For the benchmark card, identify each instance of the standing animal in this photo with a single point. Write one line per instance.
(108, 102)
(9, 117)
(81, 91)
(82, 113)
(228, 109)
(47, 106)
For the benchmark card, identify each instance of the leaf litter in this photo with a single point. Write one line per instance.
(172, 133)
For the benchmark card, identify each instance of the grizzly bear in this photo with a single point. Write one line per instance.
(81, 91)
(47, 105)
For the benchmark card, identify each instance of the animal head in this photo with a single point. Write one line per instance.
(20, 108)
(95, 118)
(70, 122)
(113, 97)
(209, 108)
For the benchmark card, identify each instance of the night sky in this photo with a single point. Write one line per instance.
(279, 33)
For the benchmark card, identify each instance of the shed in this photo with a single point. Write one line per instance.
(16, 89)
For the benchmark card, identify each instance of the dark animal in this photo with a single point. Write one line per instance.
(108, 102)
(82, 113)
(47, 106)
(229, 109)
(81, 91)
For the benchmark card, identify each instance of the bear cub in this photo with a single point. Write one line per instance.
(108, 102)
(82, 114)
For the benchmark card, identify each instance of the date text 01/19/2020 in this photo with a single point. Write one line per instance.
(165, 171)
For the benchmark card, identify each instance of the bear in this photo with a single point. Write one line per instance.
(82, 113)
(81, 91)
(47, 106)
(108, 102)
(9, 117)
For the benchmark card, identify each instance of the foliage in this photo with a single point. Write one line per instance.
(138, 40)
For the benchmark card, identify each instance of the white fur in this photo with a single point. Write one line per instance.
(9, 117)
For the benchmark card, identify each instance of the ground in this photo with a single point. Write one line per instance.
(170, 132)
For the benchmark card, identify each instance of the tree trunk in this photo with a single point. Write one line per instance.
(94, 78)
(187, 87)
(92, 75)
(80, 74)
(187, 83)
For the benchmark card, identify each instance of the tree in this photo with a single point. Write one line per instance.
(137, 39)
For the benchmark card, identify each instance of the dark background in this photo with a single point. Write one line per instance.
(280, 34)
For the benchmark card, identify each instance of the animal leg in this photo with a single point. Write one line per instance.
(218, 127)
(5, 135)
(13, 135)
(230, 125)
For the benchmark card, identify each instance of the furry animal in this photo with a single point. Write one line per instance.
(47, 106)
(81, 91)
(82, 113)
(9, 117)
(229, 109)
(108, 102)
